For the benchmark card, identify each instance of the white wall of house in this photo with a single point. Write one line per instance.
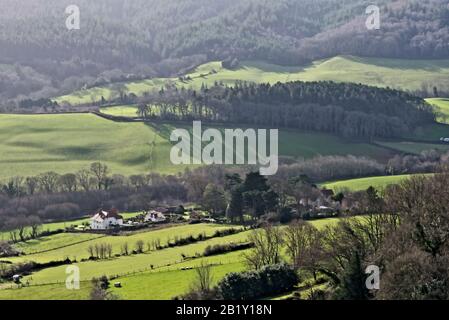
(101, 224)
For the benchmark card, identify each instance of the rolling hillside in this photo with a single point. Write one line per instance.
(364, 183)
(394, 73)
(442, 105)
(138, 279)
(33, 144)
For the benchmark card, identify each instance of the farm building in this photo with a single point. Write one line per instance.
(155, 216)
(106, 219)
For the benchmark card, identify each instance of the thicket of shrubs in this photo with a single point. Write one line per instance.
(269, 280)
(227, 247)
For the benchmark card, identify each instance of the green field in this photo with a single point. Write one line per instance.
(414, 147)
(394, 73)
(365, 183)
(79, 250)
(129, 111)
(32, 144)
(45, 292)
(53, 242)
(442, 105)
(139, 281)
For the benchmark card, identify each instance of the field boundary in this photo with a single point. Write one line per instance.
(65, 246)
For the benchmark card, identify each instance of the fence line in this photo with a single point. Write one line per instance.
(169, 267)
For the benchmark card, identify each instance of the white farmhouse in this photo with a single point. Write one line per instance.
(155, 216)
(106, 219)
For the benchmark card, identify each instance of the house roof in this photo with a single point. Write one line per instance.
(103, 214)
(327, 192)
(161, 210)
(156, 213)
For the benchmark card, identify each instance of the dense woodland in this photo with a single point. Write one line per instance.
(349, 110)
(120, 40)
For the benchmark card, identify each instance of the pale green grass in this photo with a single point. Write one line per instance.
(46, 292)
(309, 145)
(139, 281)
(33, 144)
(365, 183)
(121, 111)
(128, 265)
(142, 262)
(442, 105)
(80, 250)
(54, 242)
(394, 73)
(168, 284)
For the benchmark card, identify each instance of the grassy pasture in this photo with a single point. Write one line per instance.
(394, 73)
(166, 285)
(141, 282)
(45, 292)
(161, 258)
(32, 144)
(442, 105)
(365, 183)
(79, 251)
(54, 242)
(128, 265)
(129, 111)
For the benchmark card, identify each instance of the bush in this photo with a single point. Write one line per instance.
(269, 280)
(224, 248)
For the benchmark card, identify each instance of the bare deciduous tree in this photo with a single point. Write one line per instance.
(267, 247)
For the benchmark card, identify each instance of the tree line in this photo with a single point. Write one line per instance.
(345, 109)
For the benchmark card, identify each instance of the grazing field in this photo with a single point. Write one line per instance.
(442, 105)
(54, 242)
(394, 73)
(365, 183)
(46, 292)
(33, 144)
(129, 111)
(168, 284)
(413, 147)
(79, 250)
(166, 259)
(165, 280)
